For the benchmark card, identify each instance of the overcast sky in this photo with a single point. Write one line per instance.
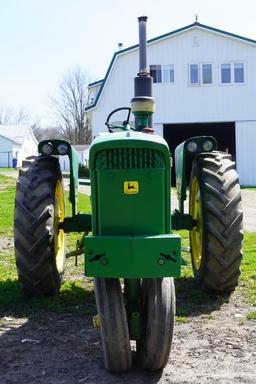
(41, 39)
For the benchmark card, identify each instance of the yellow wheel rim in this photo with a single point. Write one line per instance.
(59, 235)
(196, 235)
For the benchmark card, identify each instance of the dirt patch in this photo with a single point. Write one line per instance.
(6, 243)
(12, 173)
(217, 344)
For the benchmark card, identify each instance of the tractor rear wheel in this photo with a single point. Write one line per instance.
(39, 244)
(158, 313)
(113, 325)
(216, 239)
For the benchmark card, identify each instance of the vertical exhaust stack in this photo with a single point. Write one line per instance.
(143, 44)
(143, 104)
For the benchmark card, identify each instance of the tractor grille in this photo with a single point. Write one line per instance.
(129, 158)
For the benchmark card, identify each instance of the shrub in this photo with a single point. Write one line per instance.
(83, 172)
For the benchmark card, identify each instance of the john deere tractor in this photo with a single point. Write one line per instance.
(128, 244)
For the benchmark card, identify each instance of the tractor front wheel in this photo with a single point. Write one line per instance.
(158, 313)
(216, 238)
(39, 244)
(113, 325)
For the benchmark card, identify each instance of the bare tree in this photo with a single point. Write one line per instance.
(12, 115)
(69, 107)
(46, 133)
(20, 115)
(5, 115)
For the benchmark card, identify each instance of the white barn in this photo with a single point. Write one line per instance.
(16, 141)
(204, 83)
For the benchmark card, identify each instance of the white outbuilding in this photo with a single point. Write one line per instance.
(204, 84)
(17, 141)
(83, 156)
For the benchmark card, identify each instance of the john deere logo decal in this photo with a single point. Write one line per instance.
(131, 187)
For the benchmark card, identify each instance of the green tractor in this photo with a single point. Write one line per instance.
(128, 244)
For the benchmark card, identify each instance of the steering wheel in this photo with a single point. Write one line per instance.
(124, 126)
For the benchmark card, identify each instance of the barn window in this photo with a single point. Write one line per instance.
(239, 72)
(226, 73)
(168, 73)
(194, 73)
(207, 73)
(233, 73)
(91, 98)
(156, 73)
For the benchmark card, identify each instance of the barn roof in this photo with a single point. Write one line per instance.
(161, 37)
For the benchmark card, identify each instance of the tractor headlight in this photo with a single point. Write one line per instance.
(207, 146)
(47, 149)
(62, 149)
(192, 146)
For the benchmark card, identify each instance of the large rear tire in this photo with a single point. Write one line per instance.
(216, 240)
(158, 313)
(113, 325)
(39, 244)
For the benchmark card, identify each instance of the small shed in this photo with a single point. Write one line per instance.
(83, 154)
(17, 141)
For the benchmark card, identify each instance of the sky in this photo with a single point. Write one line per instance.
(40, 40)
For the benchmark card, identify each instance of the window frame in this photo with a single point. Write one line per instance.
(232, 65)
(240, 62)
(231, 70)
(168, 82)
(200, 74)
(202, 77)
(156, 65)
(162, 73)
(189, 74)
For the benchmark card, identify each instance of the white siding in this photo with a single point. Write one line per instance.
(83, 159)
(19, 140)
(64, 163)
(245, 151)
(28, 148)
(180, 102)
(158, 129)
(118, 90)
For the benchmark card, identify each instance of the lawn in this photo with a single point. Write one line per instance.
(76, 294)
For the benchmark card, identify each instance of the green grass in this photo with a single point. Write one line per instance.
(191, 301)
(76, 294)
(248, 276)
(251, 315)
(7, 193)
